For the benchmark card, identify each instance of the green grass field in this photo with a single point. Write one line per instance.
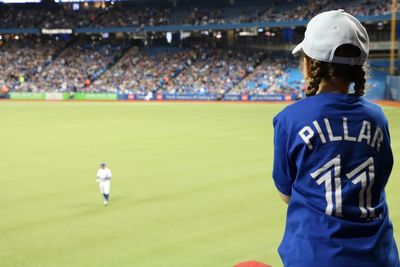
(191, 184)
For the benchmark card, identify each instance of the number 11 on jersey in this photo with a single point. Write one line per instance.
(363, 174)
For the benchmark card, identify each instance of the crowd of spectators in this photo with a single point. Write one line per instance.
(198, 16)
(280, 12)
(368, 7)
(120, 14)
(12, 17)
(95, 65)
(297, 12)
(143, 70)
(67, 19)
(269, 77)
(21, 60)
(148, 16)
(47, 17)
(197, 71)
(213, 71)
(39, 68)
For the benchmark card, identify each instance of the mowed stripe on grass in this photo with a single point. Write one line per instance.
(192, 184)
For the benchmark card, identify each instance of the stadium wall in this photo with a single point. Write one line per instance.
(391, 92)
(142, 97)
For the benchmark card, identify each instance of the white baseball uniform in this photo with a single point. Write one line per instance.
(104, 176)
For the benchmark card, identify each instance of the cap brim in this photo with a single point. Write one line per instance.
(297, 49)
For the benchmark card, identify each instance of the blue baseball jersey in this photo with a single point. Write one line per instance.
(332, 155)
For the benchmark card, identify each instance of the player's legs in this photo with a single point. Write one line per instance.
(103, 191)
(106, 187)
(101, 187)
(106, 190)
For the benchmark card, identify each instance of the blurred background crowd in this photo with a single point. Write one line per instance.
(125, 13)
(195, 63)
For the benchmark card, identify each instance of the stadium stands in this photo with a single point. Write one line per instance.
(38, 65)
(121, 14)
(143, 70)
(21, 60)
(272, 76)
(213, 71)
(199, 65)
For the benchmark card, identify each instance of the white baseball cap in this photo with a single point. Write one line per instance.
(329, 30)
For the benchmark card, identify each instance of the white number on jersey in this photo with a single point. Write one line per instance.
(366, 176)
(363, 174)
(328, 179)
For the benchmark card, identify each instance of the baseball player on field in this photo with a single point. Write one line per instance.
(332, 155)
(103, 179)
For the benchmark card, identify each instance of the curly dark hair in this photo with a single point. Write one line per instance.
(335, 72)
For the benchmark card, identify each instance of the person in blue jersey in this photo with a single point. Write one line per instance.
(332, 155)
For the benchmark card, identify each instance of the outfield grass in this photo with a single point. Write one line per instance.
(192, 184)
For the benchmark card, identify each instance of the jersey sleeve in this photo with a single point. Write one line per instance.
(281, 169)
(98, 174)
(109, 174)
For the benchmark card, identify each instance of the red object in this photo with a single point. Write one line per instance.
(251, 264)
